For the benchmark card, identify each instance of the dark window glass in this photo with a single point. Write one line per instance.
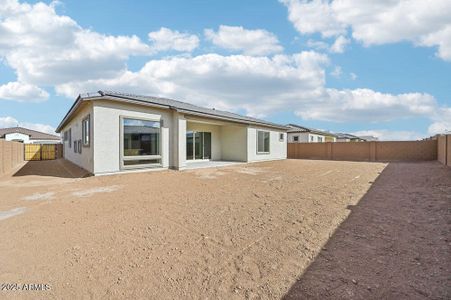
(141, 137)
(262, 141)
(141, 162)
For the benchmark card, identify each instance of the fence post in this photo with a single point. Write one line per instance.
(329, 150)
(373, 151)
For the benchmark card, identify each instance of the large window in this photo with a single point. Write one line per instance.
(86, 127)
(141, 142)
(262, 141)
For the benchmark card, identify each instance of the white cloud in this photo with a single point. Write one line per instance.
(45, 48)
(22, 92)
(424, 23)
(8, 121)
(250, 42)
(318, 45)
(367, 106)
(167, 39)
(336, 72)
(441, 121)
(257, 85)
(353, 76)
(261, 86)
(314, 16)
(339, 45)
(390, 135)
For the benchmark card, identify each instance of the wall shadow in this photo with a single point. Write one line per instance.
(53, 168)
(393, 245)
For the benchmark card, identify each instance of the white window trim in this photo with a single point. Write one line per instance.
(269, 145)
(123, 158)
(83, 133)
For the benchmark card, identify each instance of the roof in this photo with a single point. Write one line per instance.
(298, 128)
(348, 136)
(33, 134)
(369, 138)
(169, 104)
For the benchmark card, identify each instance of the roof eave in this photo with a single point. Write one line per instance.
(230, 119)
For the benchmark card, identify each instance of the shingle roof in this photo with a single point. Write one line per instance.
(174, 104)
(33, 134)
(298, 128)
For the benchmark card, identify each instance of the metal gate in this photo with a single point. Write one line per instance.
(41, 151)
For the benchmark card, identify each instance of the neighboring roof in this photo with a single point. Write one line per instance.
(166, 103)
(368, 138)
(348, 136)
(33, 134)
(298, 128)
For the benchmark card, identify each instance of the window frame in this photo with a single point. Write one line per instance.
(281, 137)
(296, 138)
(86, 133)
(269, 142)
(69, 134)
(123, 158)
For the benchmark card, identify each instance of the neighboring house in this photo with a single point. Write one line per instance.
(346, 137)
(369, 138)
(301, 134)
(28, 136)
(107, 132)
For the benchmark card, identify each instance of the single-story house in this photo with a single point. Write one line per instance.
(28, 136)
(346, 137)
(302, 134)
(108, 132)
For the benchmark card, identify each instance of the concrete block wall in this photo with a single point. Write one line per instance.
(11, 155)
(444, 149)
(366, 151)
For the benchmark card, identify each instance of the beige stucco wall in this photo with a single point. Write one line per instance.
(306, 137)
(234, 142)
(85, 158)
(106, 126)
(277, 148)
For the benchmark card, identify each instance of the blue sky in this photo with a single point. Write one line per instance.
(343, 65)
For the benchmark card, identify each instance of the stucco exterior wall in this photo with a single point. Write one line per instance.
(17, 137)
(106, 127)
(277, 148)
(234, 143)
(84, 159)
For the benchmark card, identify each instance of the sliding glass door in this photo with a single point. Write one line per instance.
(198, 145)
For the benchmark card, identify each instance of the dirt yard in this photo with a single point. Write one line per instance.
(244, 231)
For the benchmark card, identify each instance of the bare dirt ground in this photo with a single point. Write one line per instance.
(394, 245)
(245, 231)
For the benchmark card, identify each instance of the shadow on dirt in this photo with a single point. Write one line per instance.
(52, 168)
(393, 245)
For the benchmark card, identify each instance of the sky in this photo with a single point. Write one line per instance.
(366, 67)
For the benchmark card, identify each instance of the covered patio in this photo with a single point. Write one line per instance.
(214, 143)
